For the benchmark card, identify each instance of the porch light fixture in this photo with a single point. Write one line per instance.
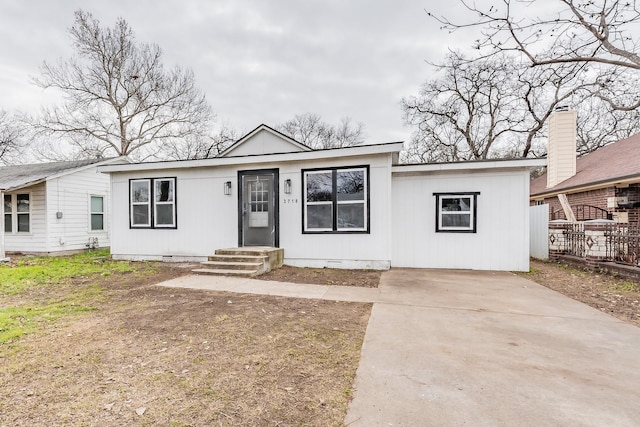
(287, 186)
(227, 188)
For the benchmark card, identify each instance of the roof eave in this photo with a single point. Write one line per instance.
(596, 185)
(359, 150)
(472, 165)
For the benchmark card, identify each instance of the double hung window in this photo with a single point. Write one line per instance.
(17, 213)
(152, 203)
(336, 200)
(97, 213)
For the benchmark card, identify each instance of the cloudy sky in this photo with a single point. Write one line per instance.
(257, 61)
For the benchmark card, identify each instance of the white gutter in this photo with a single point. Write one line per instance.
(471, 165)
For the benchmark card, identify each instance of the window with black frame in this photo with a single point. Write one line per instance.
(152, 203)
(456, 212)
(336, 200)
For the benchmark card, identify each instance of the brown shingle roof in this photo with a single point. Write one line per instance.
(609, 164)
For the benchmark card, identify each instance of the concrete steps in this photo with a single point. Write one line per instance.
(250, 261)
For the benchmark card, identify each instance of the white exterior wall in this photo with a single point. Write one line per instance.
(343, 250)
(70, 194)
(35, 239)
(501, 241)
(208, 220)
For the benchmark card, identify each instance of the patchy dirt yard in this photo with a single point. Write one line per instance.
(147, 355)
(142, 355)
(617, 297)
(324, 276)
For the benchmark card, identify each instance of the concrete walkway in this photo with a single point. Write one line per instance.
(474, 348)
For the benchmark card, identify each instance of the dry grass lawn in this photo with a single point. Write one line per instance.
(138, 354)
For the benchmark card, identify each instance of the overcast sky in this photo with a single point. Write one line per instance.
(257, 61)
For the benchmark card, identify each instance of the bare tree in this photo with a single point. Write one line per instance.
(11, 132)
(463, 114)
(578, 31)
(119, 99)
(494, 107)
(603, 33)
(599, 125)
(311, 130)
(192, 148)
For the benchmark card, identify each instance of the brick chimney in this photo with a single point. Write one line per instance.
(561, 153)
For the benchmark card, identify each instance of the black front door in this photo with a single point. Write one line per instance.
(258, 208)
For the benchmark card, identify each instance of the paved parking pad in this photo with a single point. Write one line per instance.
(492, 349)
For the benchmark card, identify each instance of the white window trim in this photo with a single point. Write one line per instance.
(156, 203)
(14, 213)
(147, 203)
(472, 212)
(11, 221)
(104, 214)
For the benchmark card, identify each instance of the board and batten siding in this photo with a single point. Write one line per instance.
(70, 194)
(207, 219)
(35, 239)
(338, 250)
(501, 241)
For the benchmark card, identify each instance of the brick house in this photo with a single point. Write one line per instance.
(604, 184)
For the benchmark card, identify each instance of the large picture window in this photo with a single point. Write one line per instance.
(336, 200)
(456, 212)
(152, 203)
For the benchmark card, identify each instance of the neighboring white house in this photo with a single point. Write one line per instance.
(59, 207)
(347, 207)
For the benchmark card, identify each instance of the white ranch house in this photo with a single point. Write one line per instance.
(54, 208)
(348, 207)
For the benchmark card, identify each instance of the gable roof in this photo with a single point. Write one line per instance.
(611, 164)
(14, 177)
(290, 142)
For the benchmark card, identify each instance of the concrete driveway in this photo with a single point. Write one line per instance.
(451, 348)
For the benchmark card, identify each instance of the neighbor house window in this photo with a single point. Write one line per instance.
(336, 200)
(23, 212)
(17, 213)
(8, 217)
(97, 213)
(456, 212)
(153, 203)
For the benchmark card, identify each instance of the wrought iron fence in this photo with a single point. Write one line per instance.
(582, 213)
(575, 239)
(623, 243)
